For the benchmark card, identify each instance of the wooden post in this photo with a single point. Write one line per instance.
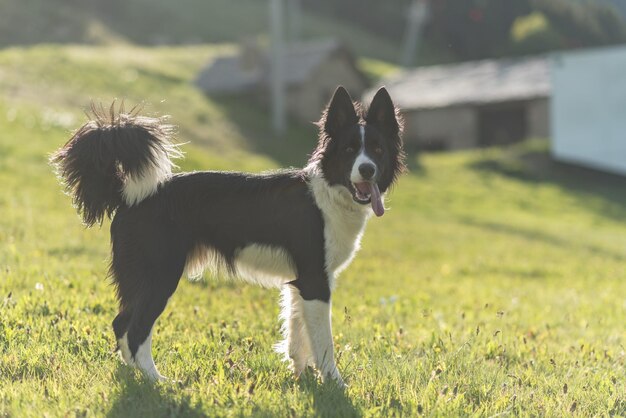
(277, 79)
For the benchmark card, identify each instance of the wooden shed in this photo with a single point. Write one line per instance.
(473, 104)
(313, 70)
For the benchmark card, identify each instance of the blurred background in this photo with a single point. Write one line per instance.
(494, 283)
(465, 74)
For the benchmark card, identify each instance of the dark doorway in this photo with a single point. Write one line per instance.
(502, 124)
(433, 144)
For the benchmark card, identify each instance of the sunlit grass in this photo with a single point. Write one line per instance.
(495, 284)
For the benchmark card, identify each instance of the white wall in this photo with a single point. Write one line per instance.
(588, 108)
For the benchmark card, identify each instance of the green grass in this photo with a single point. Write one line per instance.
(151, 22)
(495, 284)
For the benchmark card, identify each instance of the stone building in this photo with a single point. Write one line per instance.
(312, 70)
(473, 104)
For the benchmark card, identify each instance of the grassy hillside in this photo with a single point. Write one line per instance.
(150, 22)
(495, 284)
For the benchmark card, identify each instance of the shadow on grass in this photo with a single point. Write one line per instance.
(414, 165)
(329, 400)
(291, 149)
(535, 235)
(531, 162)
(72, 251)
(139, 397)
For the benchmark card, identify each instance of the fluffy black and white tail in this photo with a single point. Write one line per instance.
(115, 158)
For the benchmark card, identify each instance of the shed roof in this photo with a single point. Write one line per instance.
(302, 59)
(476, 82)
(229, 74)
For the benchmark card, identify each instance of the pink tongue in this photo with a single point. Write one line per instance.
(372, 190)
(377, 204)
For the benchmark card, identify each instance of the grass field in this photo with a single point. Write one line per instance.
(161, 22)
(494, 285)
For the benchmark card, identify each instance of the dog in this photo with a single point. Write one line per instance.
(293, 229)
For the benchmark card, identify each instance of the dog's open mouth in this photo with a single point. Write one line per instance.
(362, 192)
(368, 192)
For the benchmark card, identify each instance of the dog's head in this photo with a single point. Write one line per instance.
(359, 149)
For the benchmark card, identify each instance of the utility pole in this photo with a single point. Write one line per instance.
(277, 78)
(417, 16)
(294, 19)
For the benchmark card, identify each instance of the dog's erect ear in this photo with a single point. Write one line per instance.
(382, 112)
(340, 113)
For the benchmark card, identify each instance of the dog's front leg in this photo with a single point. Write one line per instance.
(316, 315)
(295, 347)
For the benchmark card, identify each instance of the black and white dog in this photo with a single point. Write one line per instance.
(293, 229)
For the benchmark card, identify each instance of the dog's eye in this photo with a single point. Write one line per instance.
(378, 150)
(349, 150)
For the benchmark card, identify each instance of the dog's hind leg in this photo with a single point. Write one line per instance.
(151, 304)
(142, 359)
(148, 259)
(136, 343)
(143, 300)
(120, 326)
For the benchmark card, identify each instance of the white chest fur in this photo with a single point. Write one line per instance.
(344, 222)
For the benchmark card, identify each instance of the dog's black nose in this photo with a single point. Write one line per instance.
(367, 170)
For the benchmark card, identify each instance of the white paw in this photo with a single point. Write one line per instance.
(297, 365)
(154, 376)
(124, 351)
(334, 376)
